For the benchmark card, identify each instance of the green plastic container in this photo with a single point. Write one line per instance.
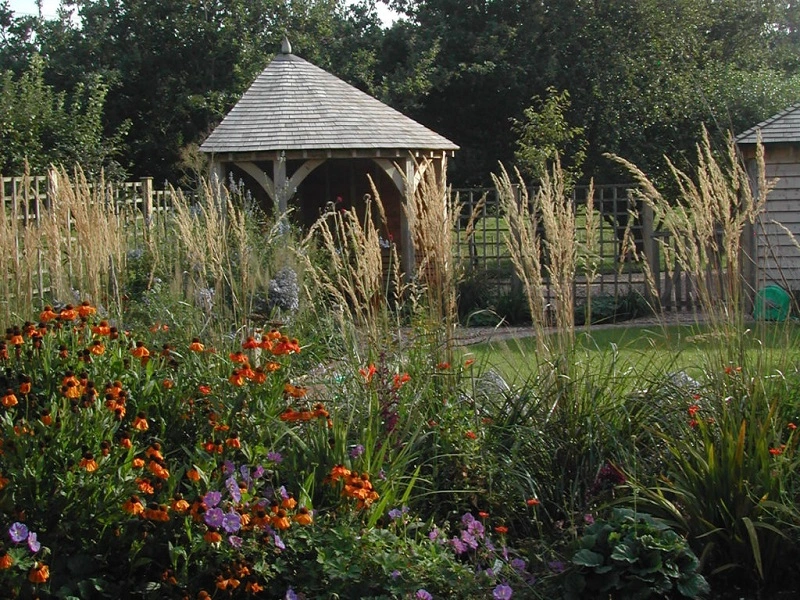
(773, 303)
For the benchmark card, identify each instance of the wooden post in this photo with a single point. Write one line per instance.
(651, 255)
(147, 200)
(408, 255)
(279, 177)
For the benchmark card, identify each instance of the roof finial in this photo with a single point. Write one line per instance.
(286, 47)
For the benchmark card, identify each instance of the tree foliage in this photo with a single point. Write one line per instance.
(642, 76)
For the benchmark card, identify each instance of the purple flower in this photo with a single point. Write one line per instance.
(259, 472)
(290, 595)
(214, 517)
(382, 475)
(211, 499)
(518, 564)
(459, 546)
(556, 566)
(467, 518)
(231, 522)
(245, 472)
(469, 540)
(235, 541)
(278, 542)
(588, 519)
(233, 488)
(476, 529)
(434, 533)
(33, 542)
(502, 592)
(423, 595)
(357, 451)
(228, 467)
(396, 513)
(275, 457)
(284, 494)
(394, 574)
(18, 532)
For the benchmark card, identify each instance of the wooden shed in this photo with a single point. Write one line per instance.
(776, 256)
(303, 139)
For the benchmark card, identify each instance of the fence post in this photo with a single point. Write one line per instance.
(147, 199)
(651, 254)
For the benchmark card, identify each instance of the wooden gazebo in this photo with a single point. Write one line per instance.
(304, 139)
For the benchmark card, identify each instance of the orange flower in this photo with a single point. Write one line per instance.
(16, 339)
(154, 451)
(125, 441)
(339, 472)
(86, 310)
(179, 505)
(137, 463)
(532, 502)
(156, 512)
(271, 367)
(97, 348)
(469, 362)
(168, 384)
(68, 313)
(133, 506)
(294, 391)
(289, 503)
(196, 345)
(471, 435)
(777, 451)
(281, 521)
(48, 314)
(39, 573)
(400, 380)
(140, 422)
(483, 514)
(303, 516)
(253, 587)
(204, 389)
(501, 529)
(3, 482)
(6, 561)
(791, 426)
(88, 462)
(212, 537)
(158, 469)
(227, 584)
(258, 376)
(9, 400)
(250, 343)
(102, 328)
(236, 378)
(193, 475)
(239, 357)
(233, 441)
(145, 486)
(368, 372)
(140, 351)
(443, 366)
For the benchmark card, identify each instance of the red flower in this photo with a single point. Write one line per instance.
(471, 435)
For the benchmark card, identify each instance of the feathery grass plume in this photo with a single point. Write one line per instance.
(218, 257)
(705, 226)
(352, 270)
(432, 219)
(542, 240)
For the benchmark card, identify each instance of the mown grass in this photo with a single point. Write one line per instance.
(647, 349)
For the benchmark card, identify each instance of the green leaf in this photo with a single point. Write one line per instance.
(587, 558)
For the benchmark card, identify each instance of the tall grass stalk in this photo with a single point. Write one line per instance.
(432, 219)
(352, 271)
(706, 223)
(77, 244)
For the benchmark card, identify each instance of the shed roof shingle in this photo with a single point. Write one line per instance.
(295, 105)
(781, 128)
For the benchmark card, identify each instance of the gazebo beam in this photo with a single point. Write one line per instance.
(261, 177)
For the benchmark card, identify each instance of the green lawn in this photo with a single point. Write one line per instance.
(654, 349)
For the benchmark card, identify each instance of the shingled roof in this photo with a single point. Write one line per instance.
(294, 105)
(781, 128)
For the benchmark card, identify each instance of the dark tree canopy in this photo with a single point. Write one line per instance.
(642, 76)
